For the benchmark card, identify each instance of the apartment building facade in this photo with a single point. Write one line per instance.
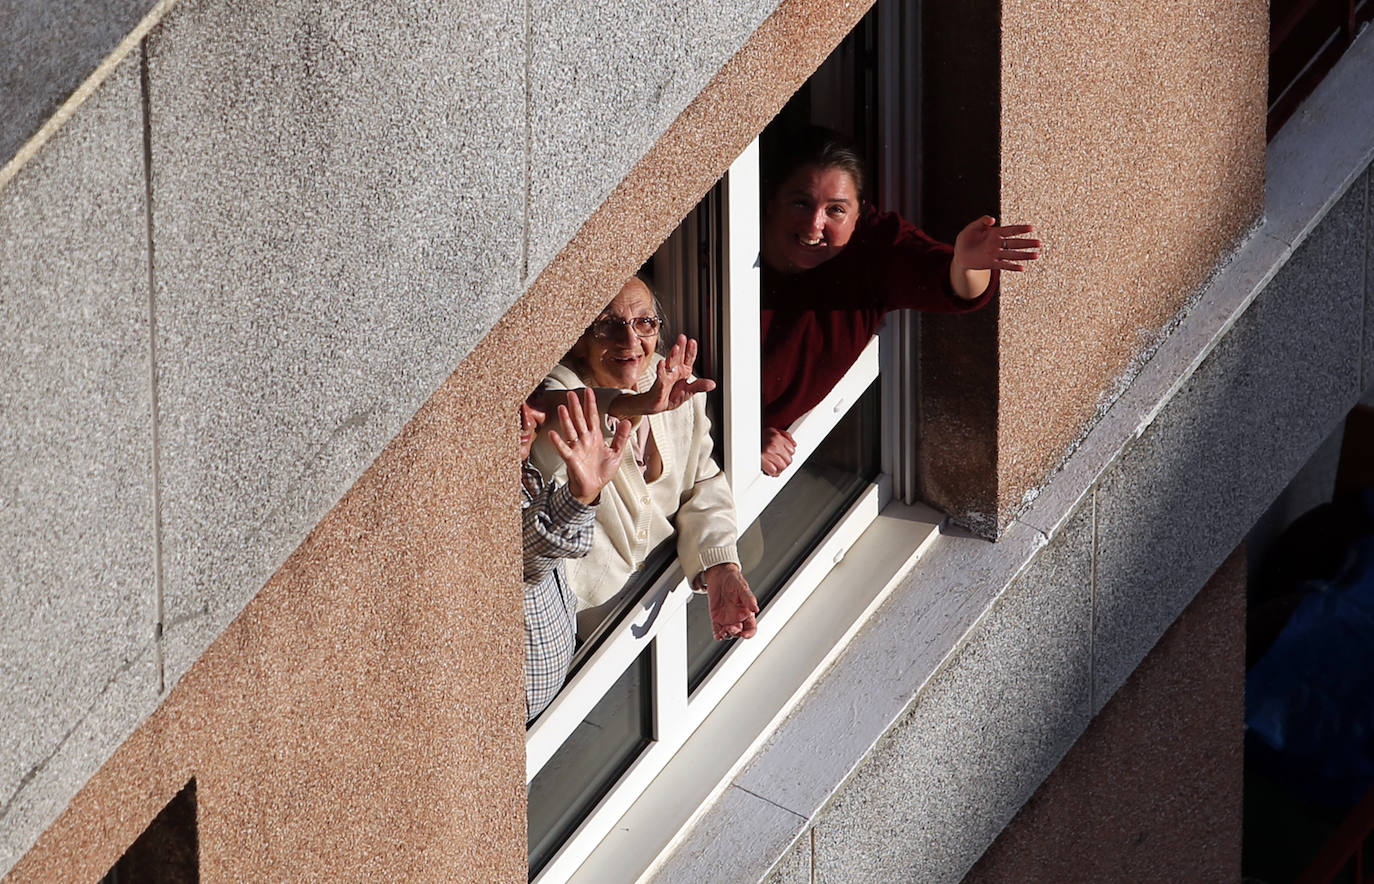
(276, 277)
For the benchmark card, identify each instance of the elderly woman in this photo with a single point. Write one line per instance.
(667, 481)
(833, 268)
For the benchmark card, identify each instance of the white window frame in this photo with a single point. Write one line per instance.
(659, 620)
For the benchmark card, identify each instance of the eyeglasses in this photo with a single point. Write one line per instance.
(606, 329)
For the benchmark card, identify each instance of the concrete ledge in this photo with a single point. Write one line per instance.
(46, 50)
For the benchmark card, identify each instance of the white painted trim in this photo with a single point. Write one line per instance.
(780, 676)
(670, 678)
(582, 692)
(809, 431)
(741, 323)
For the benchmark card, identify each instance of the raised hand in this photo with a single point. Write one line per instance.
(673, 384)
(732, 603)
(592, 463)
(984, 246)
(778, 449)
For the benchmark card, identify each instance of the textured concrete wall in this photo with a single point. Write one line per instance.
(328, 244)
(607, 78)
(1152, 790)
(1134, 138)
(78, 596)
(343, 204)
(1144, 531)
(46, 51)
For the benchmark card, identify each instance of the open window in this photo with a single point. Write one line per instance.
(651, 674)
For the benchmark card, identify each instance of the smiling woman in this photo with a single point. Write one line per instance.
(833, 269)
(620, 342)
(811, 218)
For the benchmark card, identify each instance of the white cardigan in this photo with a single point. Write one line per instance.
(634, 517)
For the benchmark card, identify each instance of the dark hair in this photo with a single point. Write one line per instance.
(789, 149)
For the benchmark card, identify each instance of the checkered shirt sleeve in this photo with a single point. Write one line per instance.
(556, 526)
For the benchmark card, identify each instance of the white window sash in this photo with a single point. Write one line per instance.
(657, 610)
(652, 760)
(743, 422)
(809, 431)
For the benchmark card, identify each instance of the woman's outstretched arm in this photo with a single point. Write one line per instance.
(982, 247)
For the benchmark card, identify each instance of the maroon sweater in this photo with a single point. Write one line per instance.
(817, 322)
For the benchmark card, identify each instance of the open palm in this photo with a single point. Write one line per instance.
(592, 462)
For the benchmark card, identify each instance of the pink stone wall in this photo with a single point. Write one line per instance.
(1133, 136)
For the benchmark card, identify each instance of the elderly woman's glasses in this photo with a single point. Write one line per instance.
(644, 326)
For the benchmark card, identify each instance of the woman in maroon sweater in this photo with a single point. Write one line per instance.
(833, 268)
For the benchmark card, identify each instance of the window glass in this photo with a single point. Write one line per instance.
(589, 762)
(687, 273)
(605, 619)
(794, 522)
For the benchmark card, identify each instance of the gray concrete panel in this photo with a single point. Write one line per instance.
(756, 827)
(607, 78)
(77, 592)
(795, 865)
(338, 220)
(981, 736)
(48, 49)
(1184, 494)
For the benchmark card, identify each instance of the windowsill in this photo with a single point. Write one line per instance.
(744, 720)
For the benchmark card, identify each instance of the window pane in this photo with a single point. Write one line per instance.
(794, 522)
(608, 617)
(589, 762)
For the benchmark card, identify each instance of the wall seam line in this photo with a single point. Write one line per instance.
(529, 159)
(813, 856)
(154, 414)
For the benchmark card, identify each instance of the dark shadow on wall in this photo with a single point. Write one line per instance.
(47, 50)
(168, 851)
